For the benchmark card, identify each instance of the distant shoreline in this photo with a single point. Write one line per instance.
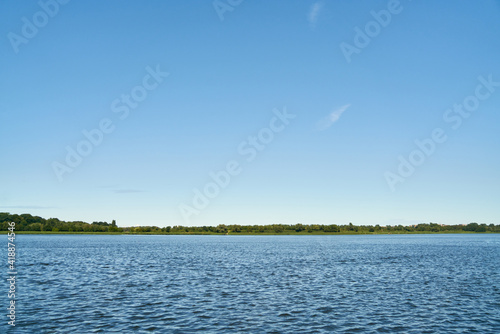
(28, 224)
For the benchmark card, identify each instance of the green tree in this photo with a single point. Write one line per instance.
(221, 228)
(471, 227)
(331, 228)
(35, 227)
(278, 228)
(481, 228)
(299, 227)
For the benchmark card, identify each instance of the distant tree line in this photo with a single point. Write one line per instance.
(29, 223)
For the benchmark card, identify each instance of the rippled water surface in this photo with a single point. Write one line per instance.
(257, 284)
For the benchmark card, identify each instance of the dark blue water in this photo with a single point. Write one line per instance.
(257, 284)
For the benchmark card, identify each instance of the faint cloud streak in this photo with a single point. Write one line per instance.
(312, 17)
(334, 116)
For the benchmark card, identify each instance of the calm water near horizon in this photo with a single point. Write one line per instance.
(441, 283)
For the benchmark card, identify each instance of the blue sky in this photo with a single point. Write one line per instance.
(353, 117)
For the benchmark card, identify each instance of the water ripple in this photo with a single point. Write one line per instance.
(258, 284)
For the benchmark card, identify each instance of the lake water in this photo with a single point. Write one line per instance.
(256, 284)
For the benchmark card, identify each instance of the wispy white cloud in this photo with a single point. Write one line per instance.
(334, 116)
(314, 11)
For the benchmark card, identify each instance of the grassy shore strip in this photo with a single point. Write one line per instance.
(234, 233)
